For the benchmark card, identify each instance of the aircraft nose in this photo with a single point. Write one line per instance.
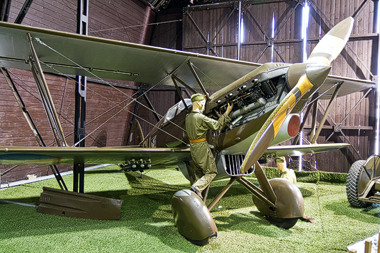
(317, 73)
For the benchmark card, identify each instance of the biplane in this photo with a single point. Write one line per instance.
(267, 98)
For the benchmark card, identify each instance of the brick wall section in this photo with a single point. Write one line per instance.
(61, 15)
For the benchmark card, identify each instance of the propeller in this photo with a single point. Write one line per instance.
(332, 43)
(302, 77)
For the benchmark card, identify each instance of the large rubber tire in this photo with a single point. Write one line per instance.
(352, 185)
(282, 223)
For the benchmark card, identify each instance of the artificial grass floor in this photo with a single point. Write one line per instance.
(147, 223)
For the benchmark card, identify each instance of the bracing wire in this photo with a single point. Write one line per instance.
(124, 108)
(108, 83)
(207, 77)
(135, 26)
(61, 114)
(322, 94)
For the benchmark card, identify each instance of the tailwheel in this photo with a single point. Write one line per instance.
(282, 222)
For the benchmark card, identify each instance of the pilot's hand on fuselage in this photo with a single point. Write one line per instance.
(229, 108)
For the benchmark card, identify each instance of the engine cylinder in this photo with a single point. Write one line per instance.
(248, 108)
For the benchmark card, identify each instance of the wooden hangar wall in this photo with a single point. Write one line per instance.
(103, 101)
(358, 60)
(213, 29)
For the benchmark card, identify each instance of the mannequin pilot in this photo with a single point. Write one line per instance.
(197, 125)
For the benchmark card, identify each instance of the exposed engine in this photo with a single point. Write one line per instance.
(252, 99)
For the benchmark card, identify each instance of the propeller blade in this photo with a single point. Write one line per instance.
(332, 43)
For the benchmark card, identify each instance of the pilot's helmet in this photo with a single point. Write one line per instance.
(197, 97)
(280, 159)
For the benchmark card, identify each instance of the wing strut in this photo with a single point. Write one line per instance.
(180, 93)
(46, 98)
(316, 135)
(174, 77)
(296, 139)
(191, 66)
(32, 126)
(338, 126)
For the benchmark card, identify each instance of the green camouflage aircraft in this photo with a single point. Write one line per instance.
(267, 99)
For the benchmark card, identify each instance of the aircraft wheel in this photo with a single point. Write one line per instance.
(354, 179)
(289, 206)
(282, 222)
(192, 218)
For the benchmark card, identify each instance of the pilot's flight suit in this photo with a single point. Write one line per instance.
(197, 126)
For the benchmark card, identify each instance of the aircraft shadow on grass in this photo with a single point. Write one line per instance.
(100, 171)
(253, 223)
(370, 214)
(305, 192)
(147, 208)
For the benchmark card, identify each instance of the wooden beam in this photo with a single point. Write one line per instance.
(343, 127)
(368, 36)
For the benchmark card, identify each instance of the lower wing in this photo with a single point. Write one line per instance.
(297, 150)
(90, 155)
(120, 155)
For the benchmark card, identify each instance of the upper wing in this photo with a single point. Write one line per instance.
(68, 53)
(74, 54)
(350, 85)
(297, 150)
(90, 155)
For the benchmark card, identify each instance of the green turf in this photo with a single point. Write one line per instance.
(310, 176)
(147, 224)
